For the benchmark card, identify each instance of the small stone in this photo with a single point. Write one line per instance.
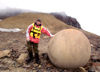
(91, 45)
(82, 69)
(34, 71)
(4, 53)
(33, 68)
(39, 66)
(26, 66)
(35, 65)
(48, 65)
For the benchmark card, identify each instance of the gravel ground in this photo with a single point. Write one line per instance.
(16, 42)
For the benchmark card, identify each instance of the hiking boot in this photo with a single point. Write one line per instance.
(37, 60)
(29, 60)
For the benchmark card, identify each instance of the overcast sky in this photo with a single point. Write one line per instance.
(87, 12)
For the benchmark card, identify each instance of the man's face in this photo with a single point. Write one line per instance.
(38, 23)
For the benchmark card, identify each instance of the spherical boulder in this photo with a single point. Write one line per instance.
(69, 48)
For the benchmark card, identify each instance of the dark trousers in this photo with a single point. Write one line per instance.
(33, 48)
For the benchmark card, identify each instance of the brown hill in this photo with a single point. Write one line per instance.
(23, 20)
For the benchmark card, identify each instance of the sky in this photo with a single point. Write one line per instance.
(87, 12)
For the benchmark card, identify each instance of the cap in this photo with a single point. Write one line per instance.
(38, 20)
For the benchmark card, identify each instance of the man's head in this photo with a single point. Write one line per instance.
(38, 22)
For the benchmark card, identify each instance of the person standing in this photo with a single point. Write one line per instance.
(33, 34)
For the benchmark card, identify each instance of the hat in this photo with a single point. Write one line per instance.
(38, 20)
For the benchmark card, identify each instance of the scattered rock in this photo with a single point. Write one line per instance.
(35, 65)
(4, 53)
(34, 70)
(39, 66)
(82, 69)
(22, 58)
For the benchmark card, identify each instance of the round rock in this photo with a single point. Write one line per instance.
(69, 48)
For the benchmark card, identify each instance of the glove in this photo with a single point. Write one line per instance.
(27, 39)
(52, 35)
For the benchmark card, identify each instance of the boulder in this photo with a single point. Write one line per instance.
(22, 58)
(69, 48)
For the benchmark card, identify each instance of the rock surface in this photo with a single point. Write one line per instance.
(4, 53)
(69, 48)
(22, 58)
(68, 20)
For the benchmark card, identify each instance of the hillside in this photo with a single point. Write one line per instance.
(17, 42)
(23, 20)
(9, 12)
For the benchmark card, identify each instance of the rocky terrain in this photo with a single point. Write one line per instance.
(16, 43)
(67, 20)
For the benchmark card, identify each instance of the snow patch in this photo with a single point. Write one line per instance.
(0, 19)
(10, 30)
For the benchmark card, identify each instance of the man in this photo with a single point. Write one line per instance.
(33, 34)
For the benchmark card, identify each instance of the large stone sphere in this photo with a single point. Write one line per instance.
(69, 48)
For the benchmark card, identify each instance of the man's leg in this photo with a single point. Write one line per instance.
(36, 52)
(30, 53)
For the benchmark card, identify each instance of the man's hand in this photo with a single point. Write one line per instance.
(27, 39)
(52, 35)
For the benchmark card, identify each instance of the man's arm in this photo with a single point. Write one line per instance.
(45, 31)
(28, 31)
